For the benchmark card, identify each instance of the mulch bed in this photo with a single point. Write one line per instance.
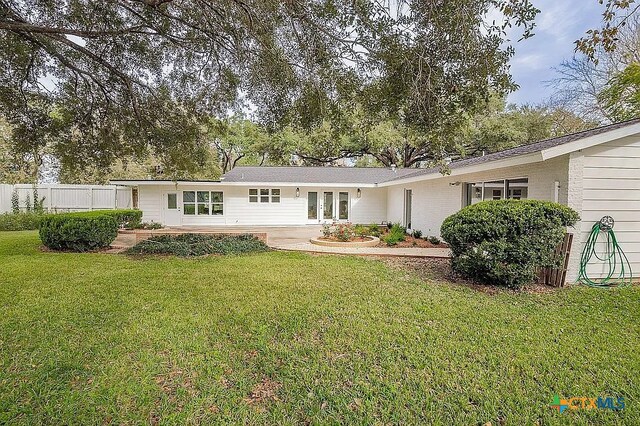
(353, 240)
(411, 242)
(430, 269)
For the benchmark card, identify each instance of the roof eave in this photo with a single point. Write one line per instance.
(227, 183)
(590, 141)
(473, 168)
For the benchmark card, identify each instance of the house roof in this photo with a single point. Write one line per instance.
(311, 175)
(372, 176)
(536, 147)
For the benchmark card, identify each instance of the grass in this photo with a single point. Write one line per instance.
(288, 338)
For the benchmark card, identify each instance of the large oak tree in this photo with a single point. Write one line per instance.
(119, 78)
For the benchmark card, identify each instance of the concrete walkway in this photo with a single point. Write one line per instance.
(367, 251)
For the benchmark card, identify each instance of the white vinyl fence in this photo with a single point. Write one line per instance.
(65, 198)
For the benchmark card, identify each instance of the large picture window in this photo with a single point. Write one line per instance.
(264, 195)
(202, 203)
(514, 189)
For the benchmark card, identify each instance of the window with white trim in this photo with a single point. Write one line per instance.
(514, 189)
(202, 203)
(264, 195)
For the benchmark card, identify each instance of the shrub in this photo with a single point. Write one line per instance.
(343, 232)
(396, 234)
(503, 242)
(19, 221)
(339, 231)
(126, 218)
(187, 245)
(433, 239)
(15, 201)
(374, 230)
(148, 225)
(361, 230)
(82, 231)
(417, 233)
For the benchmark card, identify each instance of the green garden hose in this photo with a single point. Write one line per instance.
(619, 269)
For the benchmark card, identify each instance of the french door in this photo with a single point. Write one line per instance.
(327, 206)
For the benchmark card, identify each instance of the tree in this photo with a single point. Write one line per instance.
(507, 126)
(617, 14)
(581, 80)
(238, 139)
(621, 96)
(124, 78)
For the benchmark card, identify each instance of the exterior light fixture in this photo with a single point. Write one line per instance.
(358, 193)
(297, 192)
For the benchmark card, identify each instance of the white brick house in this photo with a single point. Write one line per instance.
(596, 172)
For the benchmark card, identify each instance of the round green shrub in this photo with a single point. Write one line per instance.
(503, 242)
(78, 231)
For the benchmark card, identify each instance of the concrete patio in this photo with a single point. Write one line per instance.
(296, 238)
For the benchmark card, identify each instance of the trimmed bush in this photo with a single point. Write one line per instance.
(187, 245)
(396, 234)
(84, 231)
(19, 221)
(125, 218)
(503, 242)
(433, 239)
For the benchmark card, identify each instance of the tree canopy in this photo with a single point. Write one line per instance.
(98, 81)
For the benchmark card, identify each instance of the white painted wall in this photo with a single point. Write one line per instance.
(369, 208)
(436, 199)
(608, 183)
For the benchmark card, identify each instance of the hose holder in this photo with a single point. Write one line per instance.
(606, 223)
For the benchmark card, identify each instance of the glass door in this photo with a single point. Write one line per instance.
(312, 206)
(408, 195)
(327, 209)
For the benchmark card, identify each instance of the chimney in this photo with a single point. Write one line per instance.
(393, 168)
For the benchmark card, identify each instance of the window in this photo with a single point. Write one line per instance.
(202, 203)
(189, 202)
(253, 195)
(343, 205)
(172, 201)
(217, 201)
(516, 189)
(264, 195)
(312, 205)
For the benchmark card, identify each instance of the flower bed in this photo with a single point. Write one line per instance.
(392, 235)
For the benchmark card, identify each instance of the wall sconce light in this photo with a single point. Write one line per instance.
(297, 192)
(358, 193)
(454, 183)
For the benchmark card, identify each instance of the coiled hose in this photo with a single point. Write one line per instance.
(619, 269)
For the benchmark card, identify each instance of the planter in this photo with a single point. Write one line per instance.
(370, 242)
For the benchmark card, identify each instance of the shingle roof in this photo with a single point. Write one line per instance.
(525, 149)
(352, 175)
(373, 175)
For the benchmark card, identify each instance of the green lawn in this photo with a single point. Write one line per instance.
(291, 338)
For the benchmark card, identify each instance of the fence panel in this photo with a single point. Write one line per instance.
(63, 198)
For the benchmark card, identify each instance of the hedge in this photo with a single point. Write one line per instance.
(125, 218)
(19, 221)
(85, 231)
(504, 241)
(188, 245)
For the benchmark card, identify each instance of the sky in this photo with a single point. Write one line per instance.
(558, 25)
